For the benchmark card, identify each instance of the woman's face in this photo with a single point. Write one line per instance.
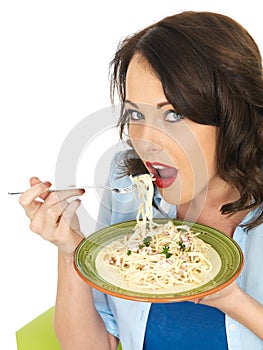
(180, 153)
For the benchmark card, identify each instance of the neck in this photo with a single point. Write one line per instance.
(205, 208)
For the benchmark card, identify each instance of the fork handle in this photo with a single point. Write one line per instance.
(72, 188)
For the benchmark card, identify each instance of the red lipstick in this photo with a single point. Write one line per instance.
(164, 175)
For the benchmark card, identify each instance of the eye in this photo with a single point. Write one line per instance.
(132, 114)
(172, 116)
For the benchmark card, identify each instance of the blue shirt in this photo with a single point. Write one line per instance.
(127, 320)
(182, 325)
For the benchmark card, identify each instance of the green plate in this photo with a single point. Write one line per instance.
(227, 250)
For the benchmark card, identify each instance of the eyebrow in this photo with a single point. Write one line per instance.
(159, 105)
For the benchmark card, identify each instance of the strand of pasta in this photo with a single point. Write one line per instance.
(170, 256)
(148, 266)
(145, 192)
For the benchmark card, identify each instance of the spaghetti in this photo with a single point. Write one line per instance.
(157, 256)
(145, 189)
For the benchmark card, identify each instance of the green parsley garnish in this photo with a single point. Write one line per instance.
(181, 245)
(129, 252)
(147, 241)
(166, 251)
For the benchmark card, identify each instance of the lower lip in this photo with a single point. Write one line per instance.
(164, 182)
(161, 182)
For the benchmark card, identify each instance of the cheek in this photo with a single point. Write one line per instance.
(210, 154)
(134, 134)
(183, 189)
(133, 131)
(206, 137)
(135, 137)
(196, 165)
(146, 138)
(199, 148)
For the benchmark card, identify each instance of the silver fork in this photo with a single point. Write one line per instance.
(123, 190)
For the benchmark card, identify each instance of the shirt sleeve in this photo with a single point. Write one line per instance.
(102, 307)
(114, 207)
(251, 281)
(105, 219)
(105, 207)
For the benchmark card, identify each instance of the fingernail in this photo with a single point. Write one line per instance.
(47, 183)
(34, 178)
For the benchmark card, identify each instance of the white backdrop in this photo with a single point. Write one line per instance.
(54, 72)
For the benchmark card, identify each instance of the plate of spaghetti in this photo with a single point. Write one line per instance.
(109, 262)
(158, 260)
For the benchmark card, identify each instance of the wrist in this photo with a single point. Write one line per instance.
(66, 258)
(230, 301)
(226, 300)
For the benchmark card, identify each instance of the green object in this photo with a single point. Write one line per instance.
(226, 258)
(39, 334)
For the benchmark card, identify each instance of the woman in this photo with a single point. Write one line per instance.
(192, 90)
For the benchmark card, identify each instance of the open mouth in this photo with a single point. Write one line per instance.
(164, 175)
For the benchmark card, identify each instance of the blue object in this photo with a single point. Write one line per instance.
(183, 326)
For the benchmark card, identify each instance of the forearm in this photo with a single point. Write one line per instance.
(77, 323)
(241, 307)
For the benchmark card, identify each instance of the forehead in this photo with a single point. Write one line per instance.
(142, 84)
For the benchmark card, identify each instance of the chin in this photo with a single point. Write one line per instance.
(171, 197)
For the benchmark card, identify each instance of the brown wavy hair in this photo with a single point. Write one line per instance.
(211, 71)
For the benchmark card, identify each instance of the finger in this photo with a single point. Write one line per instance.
(33, 192)
(35, 180)
(197, 300)
(28, 198)
(58, 196)
(46, 222)
(66, 238)
(68, 214)
(66, 226)
(62, 233)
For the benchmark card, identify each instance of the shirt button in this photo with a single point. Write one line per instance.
(233, 327)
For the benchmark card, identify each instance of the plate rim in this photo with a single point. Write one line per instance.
(160, 299)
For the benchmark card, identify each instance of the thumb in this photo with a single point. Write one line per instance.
(35, 180)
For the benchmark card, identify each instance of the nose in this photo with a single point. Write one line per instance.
(146, 139)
